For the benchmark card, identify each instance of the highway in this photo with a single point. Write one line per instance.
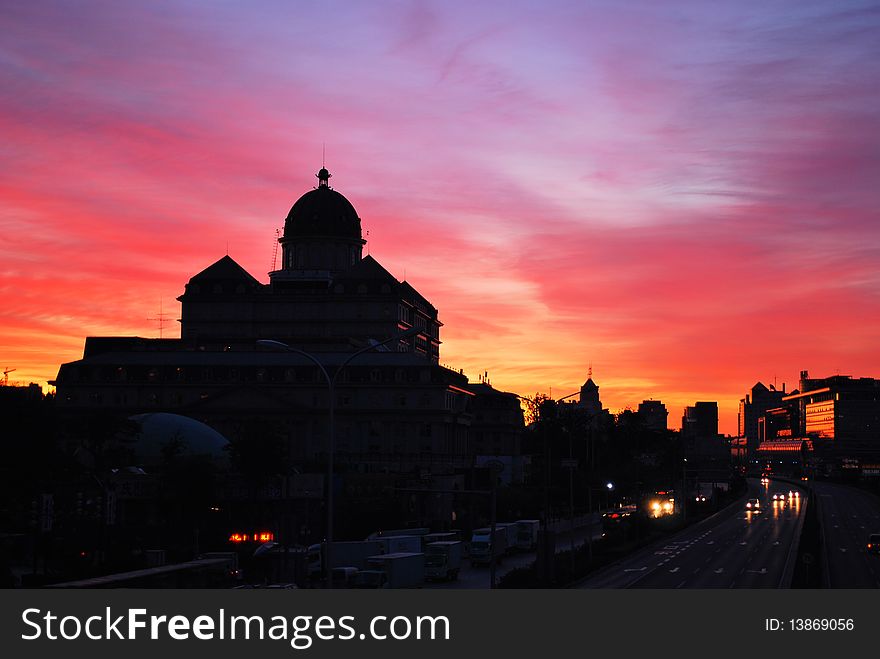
(847, 516)
(731, 549)
(472, 577)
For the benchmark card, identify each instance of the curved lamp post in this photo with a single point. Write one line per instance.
(331, 431)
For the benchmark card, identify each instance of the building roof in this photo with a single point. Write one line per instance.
(323, 212)
(367, 268)
(226, 269)
(785, 446)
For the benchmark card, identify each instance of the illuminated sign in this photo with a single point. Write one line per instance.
(258, 536)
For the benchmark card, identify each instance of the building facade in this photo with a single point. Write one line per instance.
(397, 409)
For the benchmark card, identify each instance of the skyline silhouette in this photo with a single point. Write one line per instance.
(682, 196)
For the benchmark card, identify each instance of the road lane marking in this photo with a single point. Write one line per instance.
(674, 570)
(636, 569)
(719, 570)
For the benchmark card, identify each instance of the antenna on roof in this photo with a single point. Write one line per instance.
(161, 319)
(590, 371)
(323, 154)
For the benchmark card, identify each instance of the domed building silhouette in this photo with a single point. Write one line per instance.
(399, 414)
(326, 296)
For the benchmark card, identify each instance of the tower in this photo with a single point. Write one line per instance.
(590, 396)
(322, 235)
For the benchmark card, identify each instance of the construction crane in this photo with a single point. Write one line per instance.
(6, 373)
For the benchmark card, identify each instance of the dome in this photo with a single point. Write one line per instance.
(159, 430)
(323, 212)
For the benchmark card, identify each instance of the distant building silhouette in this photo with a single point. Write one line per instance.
(653, 414)
(839, 407)
(589, 398)
(700, 420)
(828, 424)
(751, 409)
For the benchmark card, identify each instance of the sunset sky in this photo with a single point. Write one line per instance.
(683, 193)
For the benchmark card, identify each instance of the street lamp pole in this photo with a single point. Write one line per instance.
(331, 427)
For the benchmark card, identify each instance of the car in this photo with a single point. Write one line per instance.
(765, 480)
(753, 506)
(874, 543)
(779, 496)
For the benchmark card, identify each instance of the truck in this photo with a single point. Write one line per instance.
(392, 532)
(445, 536)
(396, 544)
(512, 531)
(527, 533)
(483, 547)
(343, 554)
(369, 579)
(443, 560)
(402, 570)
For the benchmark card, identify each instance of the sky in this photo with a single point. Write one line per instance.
(683, 195)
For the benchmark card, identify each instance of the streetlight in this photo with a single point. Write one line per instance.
(331, 430)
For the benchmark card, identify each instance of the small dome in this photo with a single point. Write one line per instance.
(323, 212)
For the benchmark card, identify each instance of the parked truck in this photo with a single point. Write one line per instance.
(527, 534)
(343, 554)
(402, 570)
(396, 544)
(443, 560)
(483, 546)
(444, 536)
(392, 532)
(511, 531)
